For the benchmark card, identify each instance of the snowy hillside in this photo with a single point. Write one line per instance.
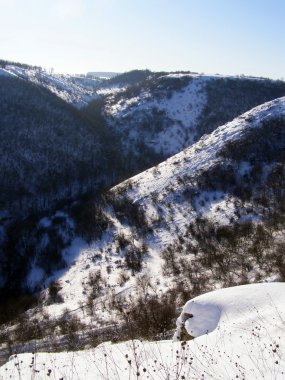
(189, 225)
(165, 113)
(162, 120)
(77, 90)
(211, 216)
(73, 89)
(155, 115)
(239, 331)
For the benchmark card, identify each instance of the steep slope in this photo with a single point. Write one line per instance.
(165, 113)
(48, 151)
(211, 216)
(211, 209)
(155, 115)
(76, 90)
(50, 154)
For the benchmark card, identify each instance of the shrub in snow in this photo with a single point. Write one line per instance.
(90, 220)
(95, 284)
(133, 258)
(151, 317)
(53, 293)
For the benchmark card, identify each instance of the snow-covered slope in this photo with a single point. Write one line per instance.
(208, 217)
(77, 90)
(162, 121)
(156, 115)
(73, 89)
(201, 155)
(166, 113)
(240, 333)
(190, 220)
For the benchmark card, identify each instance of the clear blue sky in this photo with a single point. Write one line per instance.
(211, 36)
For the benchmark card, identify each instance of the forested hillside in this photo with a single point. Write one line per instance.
(51, 156)
(49, 152)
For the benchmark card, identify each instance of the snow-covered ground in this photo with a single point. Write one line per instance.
(240, 333)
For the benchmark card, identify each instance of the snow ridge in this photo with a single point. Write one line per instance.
(247, 343)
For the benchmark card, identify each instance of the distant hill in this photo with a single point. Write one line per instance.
(76, 90)
(162, 114)
(101, 74)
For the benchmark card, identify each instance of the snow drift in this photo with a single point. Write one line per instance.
(245, 343)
